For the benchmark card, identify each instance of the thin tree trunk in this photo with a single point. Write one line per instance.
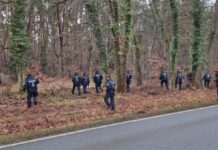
(138, 62)
(160, 24)
(44, 32)
(213, 32)
(61, 39)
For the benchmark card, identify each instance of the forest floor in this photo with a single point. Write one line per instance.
(58, 111)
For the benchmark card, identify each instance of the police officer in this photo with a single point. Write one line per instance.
(76, 83)
(85, 82)
(189, 79)
(164, 79)
(110, 93)
(98, 81)
(216, 75)
(178, 80)
(31, 87)
(128, 80)
(207, 79)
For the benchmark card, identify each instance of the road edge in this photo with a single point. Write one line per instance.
(105, 126)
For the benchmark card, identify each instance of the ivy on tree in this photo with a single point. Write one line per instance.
(19, 39)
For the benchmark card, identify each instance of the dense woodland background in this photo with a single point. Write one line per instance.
(60, 37)
(52, 39)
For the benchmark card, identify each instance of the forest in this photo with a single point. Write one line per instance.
(53, 39)
(62, 37)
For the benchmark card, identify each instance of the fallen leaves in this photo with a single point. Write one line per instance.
(64, 109)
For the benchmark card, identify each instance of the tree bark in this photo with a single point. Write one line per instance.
(138, 62)
(61, 39)
(93, 12)
(197, 29)
(174, 50)
(213, 32)
(160, 24)
(113, 4)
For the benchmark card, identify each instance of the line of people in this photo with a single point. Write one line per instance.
(179, 77)
(84, 81)
(97, 78)
(31, 85)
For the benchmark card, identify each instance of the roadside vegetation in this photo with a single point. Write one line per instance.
(58, 111)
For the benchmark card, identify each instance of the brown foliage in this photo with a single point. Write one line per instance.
(63, 109)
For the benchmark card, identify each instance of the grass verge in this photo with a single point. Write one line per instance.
(29, 135)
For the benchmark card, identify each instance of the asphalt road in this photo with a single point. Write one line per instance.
(190, 130)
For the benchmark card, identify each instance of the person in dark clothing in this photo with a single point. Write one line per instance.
(128, 80)
(207, 79)
(216, 75)
(98, 81)
(164, 79)
(76, 83)
(31, 87)
(85, 82)
(110, 93)
(189, 79)
(178, 80)
(0, 81)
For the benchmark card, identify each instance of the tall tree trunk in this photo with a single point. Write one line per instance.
(61, 38)
(138, 62)
(44, 34)
(93, 12)
(213, 32)
(113, 4)
(160, 24)
(19, 40)
(174, 50)
(197, 22)
(30, 19)
(128, 36)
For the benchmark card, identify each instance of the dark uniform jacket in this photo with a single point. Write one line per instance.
(31, 84)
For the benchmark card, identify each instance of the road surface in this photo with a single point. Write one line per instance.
(189, 130)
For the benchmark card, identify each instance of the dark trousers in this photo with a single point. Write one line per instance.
(207, 83)
(180, 85)
(109, 99)
(31, 96)
(98, 87)
(128, 87)
(85, 89)
(217, 92)
(166, 84)
(78, 89)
